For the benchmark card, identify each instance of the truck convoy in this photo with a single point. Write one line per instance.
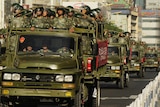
(65, 67)
(56, 66)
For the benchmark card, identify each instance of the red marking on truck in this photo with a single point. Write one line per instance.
(102, 53)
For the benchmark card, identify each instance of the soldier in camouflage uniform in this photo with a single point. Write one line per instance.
(72, 21)
(19, 19)
(60, 22)
(40, 21)
(84, 21)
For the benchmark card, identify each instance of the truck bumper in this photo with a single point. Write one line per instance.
(134, 69)
(38, 92)
(151, 66)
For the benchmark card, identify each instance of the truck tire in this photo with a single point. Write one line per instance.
(141, 73)
(4, 105)
(77, 102)
(126, 83)
(96, 96)
(121, 82)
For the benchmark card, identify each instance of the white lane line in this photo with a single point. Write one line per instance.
(132, 97)
(142, 79)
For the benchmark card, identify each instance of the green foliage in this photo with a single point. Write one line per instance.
(3, 31)
(111, 26)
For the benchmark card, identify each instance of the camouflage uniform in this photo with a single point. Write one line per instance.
(82, 22)
(19, 19)
(41, 22)
(72, 22)
(20, 22)
(60, 23)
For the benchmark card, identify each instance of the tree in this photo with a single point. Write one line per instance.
(111, 26)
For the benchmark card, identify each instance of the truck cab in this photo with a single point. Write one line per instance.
(151, 59)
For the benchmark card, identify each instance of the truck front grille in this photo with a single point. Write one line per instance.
(31, 77)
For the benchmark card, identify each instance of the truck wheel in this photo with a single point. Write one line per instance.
(78, 98)
(156, 69)
(143, 72)
(121, 82)
(126, 84)
(96, 95)
(4, 105)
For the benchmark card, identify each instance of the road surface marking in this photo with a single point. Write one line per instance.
(142, 79)
(132, 97)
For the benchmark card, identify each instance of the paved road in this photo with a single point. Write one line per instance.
(111, 96)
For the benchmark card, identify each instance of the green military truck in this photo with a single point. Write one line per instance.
(116, 63)
(65, 73)
(136, 58)
(151, 59)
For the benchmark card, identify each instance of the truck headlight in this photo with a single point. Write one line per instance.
(155, 62)
(112, 67)
(59, 78)
(115, 67)
(136, 64)
(16, 76)
(7, 76)
(68, 78)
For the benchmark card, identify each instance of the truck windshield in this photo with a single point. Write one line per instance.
(113, 51)
(134, 54)
(150, 55)
(48, 44)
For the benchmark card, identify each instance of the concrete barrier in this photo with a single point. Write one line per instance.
(150, 96)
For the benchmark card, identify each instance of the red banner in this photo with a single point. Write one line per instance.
(102, 53)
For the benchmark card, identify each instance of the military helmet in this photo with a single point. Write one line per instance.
(14, 6)
(70, 9)
(19, 8)
(98, 10)
(62, 8)
(39, 9)
(93, 13)
(51, 13)
(87, 8)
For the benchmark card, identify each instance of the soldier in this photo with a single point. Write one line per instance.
(46, 18)
(38, 21)
(60, 22)
(44, 49)
(28, 49)
(19, 19)
(72, 21)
